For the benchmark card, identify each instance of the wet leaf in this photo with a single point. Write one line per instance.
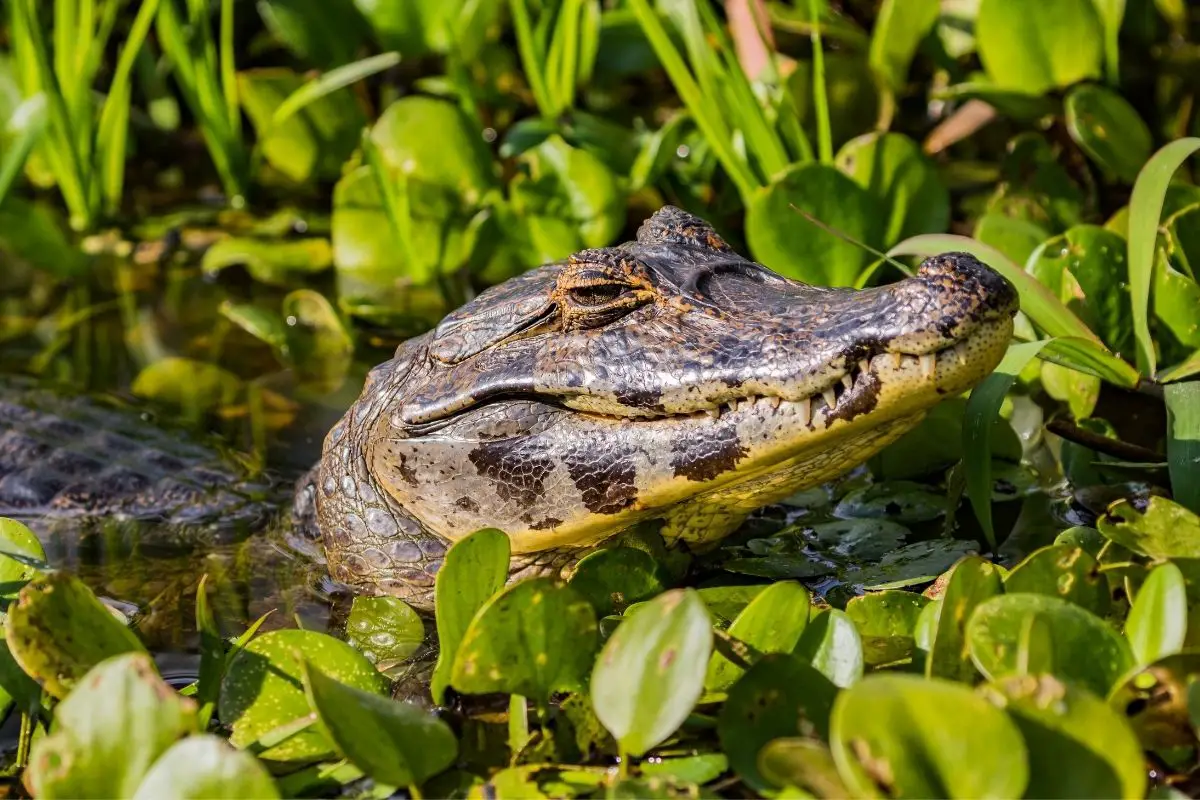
(1158, 620)
(1155, 700)
(893, 169)
(651, 670)
(319, 347)
(204, 766)
(1072, 644)
(780, 696)
(262, 690)
(1183, 442)
(972, 582)
(57, 631)
(779, 567)
(194, 387)
(726, 602)
(886, 622)
(536, 637)
(475, 568)
(831, 644)
(396, 743)
(263, 324)
(384, 629)
(919, 562)
(1109, 130)
(278, 263)
(1078, 746)
(1063, 571)
(772, 623)
(783, 240)
(693, 769)
(21, 557)
(899, 501)
(109, 731)
(1034, 47)
(1176, 298)
(889, 737)
(936, 444)
(860, 539)
(613, 578)
(1164, 530)
(1078, 390)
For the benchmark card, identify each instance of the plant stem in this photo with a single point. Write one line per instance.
(820, 99)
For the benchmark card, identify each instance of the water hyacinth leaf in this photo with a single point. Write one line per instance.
(1078, 390)
(263, 324)
(262, 690)
(535, 638)
(1034, 47)
(694, 769)
(475, 568)
(1064, 571)
(832, 645)
(108, 733)
(918, 562)
(394, 742)
(780, 696)
(1109, 130)
(972, 583)
(204, 766)
(1183, 442)
(1145, 210)
(58, 631)
(889, 738)
(1158, 620)
(784, 241)
(385, 629)
(319, 346)
(772, 623)
(275, 263)
(886, 622)
(1013, 237)
(864, 539)
(1156, 700)
(21, 557)
(613, 578)
(806, 764)
(1078, 745)
(1164, 530)
(726, 602)
(893, 169)
(896, 36)
(983, 407)
(651, 671)
(16, 687)
(899, 501)
(1176, 298)
(194, 387)
(1073, 644)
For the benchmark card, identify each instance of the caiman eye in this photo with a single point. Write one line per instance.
(597, 295)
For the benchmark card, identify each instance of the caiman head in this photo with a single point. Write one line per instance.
(665, 378)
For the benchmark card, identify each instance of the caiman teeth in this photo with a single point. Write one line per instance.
(847, 381)
(897, 360)
(928, 364)
(960, 352)
(864, 365)
(804, 411)
(773, 401)
(829, 397)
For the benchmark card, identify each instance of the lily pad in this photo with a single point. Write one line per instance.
(58, 631)
(109, 731)
(893, 169)
(1078, 746)
(780, 696)
(1157, 624)
(1033, 47)
(651, 671)
(1036, 633)
(831, 644)
(886, 622)
(262, 690)
(972, 582)
(1109, 130)
(384, 629)
(772, 623)
(613, 578)
(396, 743)
(919, 562)
(860, 539)
(889, 736)
(899, 501)
(1164, 530)
(1060, 570)
(536, 637)
(204, 766)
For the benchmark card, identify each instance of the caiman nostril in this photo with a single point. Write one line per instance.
(963, 272)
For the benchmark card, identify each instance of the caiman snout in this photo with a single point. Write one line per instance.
(963, 275)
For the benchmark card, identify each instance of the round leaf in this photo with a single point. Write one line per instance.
(886, 622)
(831, 644)
(206, 766)
(1156, 700)
(1034, 46)
(1109, 130)
(1158, 621)
(772, 623)
(615, 577)
(892, 168)
(1061, 570)
(1164, 530)
(21, 557)
(804, 763)
(384, 629)
(972, 582)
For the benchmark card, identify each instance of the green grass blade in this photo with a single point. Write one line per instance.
(228, 63)
(1145, 210)
(820, 95)
(1084, 355)
(982, 408)
(1183, 442)
(331, 81)
(394, 199)
(1185, 369)
(533, 62)
(23, 130)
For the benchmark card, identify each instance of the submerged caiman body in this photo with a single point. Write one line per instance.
(668, 378)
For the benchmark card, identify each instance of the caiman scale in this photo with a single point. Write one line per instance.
(667, 378)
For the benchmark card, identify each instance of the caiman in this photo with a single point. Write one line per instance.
(667, 378)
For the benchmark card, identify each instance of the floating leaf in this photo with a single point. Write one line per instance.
(919, 562)
(1158, 620)
(651, 671)
(536, 637)
(889, 736)
(1109, 130)
(614, 577)
(831, 644)
(384, 629)
(972, 582)
(772, 623)
(899, 501)
(779, 696)
(1064, 571)
(205, 766)
(195, 387)
(1164, 530)
(886, 622)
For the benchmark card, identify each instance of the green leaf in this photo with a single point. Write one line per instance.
(318, 344)
(1176, 298)
(384, 629)
(787, 243)
(613, 578)
(1014, 237)
(918, 562)
(396, 743)
(474, 569)
(21, 132)
(772, 623)
(1028, 634)
(1145, 209)
(326, 33)
(893, 169)
(109, 731)
(1156, 698)
(1109, 130)
(1183, 442)
(886, 622)
(1064, 571)
(536, 637)
(195, 387)
(831, 644)
(779, 696)
(805, 764)
(651, 670)
(275, 263)
(898, 501)
(262, 692)
(896, 36)
(21, 557)
(1158, 620)
(1034, 47)
(1164, 530)
(889, 736)
(203, 766)
(328, 83)
(58, 631)
(972, 583)
(1078, 746)
(263, 324)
